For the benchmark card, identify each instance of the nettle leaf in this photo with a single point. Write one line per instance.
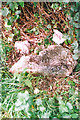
(5, 11)
(21, 4)
(28, 83)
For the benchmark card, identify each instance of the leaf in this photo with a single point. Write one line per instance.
(75, 51)
(71, 83)
(69, 41)
(5, 11)
(49, 26)
(16, 5)
(75, 56)
(36, 33)
(46, 114)
(74, 115)
(12, 6)
(9, 22)
(28, 83)
(76, 17)
(18, 102)
(69, 105)
(36, 91)
(36, 15)
(66, 116)
(21, 4)
(63, 109)
(18, 12)
(75, 45)
(38, 102)
(66, 42)
(60, 101)
(42, 108)
(23, 96)
(76, 25)
(52, 6)
(16, 17)
(35, 4)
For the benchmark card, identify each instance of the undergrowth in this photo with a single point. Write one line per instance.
(21, 96)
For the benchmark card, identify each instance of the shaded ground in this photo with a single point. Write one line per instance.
(26, 23)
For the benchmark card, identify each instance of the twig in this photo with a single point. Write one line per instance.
(25, 14)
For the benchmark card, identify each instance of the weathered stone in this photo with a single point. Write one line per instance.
(22, 46)
(55, 61)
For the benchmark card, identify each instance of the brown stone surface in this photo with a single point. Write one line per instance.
(55, 61)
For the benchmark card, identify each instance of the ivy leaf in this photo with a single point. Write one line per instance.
(5, 11)
(21, 4)
(28, 83)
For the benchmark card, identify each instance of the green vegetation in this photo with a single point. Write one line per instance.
(18, 99)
